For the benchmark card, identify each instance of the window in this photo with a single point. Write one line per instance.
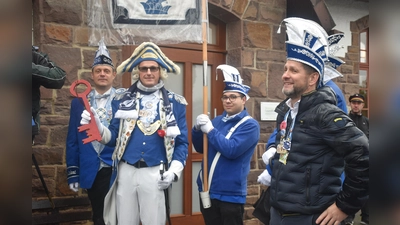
(364, 69)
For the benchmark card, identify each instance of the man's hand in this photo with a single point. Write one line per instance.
(264, 178)
(74, 186)
(86, 119)
(331, 216)
(268, 155)
(204, 123)
(164, 183)
(200, 121)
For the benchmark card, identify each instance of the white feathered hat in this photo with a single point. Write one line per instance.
(333, 62)
(307, 43)
(233, 80)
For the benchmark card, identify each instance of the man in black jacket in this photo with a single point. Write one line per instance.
(316, 140)
(362, 122)
(44, 73)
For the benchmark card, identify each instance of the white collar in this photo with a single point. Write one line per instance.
(295, 109)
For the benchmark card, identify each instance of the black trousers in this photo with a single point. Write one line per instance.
(222, 213)
(98, 192)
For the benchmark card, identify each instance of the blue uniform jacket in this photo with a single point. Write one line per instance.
(83, 161)
(230, 174)
(151, 147)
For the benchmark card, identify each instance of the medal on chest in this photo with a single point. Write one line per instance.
(285, 143)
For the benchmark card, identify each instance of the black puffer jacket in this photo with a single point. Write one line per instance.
(44, 73)
(323, 136)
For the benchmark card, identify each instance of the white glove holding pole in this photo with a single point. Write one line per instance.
(264, 178)
(200, 121)
(74, 186)
(86, 119)
(268, 155)
(204, 122)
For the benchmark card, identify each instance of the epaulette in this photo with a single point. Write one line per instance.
(119, 93)
(179, 98)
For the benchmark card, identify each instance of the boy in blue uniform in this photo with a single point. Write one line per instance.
(232, 138)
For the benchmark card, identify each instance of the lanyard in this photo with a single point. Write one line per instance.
(286, 143)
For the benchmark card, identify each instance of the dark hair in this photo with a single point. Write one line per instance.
(309, 69)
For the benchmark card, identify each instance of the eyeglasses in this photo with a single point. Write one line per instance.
(231, 98)
(152, 69)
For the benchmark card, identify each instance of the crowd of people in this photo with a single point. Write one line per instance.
(317, 157)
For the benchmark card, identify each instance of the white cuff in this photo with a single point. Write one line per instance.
(105, 136)
(176, 167)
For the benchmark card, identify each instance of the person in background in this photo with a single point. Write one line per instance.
(357, 104)
(316, 141)
(148, 130)
(232, 138)
(89, 165)
(47, 74)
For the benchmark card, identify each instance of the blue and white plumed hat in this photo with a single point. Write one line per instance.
(307, 43)
(102, 56)
(233, 81)
(333, 62)
(148, 51)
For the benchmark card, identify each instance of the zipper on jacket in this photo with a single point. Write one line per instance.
(308, 179)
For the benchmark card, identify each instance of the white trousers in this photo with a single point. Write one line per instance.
(138, 198)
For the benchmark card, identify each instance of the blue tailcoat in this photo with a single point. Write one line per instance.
(83, 161)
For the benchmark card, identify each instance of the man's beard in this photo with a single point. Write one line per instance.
(294, 92)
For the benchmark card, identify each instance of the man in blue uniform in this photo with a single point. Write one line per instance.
(232, 138)
(148, 128)
(89, 165)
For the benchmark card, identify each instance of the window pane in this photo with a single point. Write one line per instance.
(363, 78)
(363, 47)
(212, 34)
(197, 98)
(363, 57)
(195, 192)
(174, 82)
(363, 41)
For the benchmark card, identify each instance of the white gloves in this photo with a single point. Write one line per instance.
(204, 123)
(74, 186)
(268, 155)
(86, 119)
(168, 177)
(264, 178)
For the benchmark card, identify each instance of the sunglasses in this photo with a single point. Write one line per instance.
(151, 68)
